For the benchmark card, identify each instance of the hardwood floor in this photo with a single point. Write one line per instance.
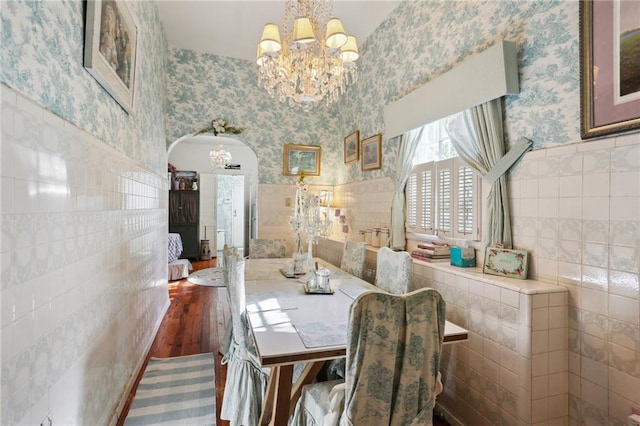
(194, 324)
(191, 326)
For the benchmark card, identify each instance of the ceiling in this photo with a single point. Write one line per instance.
(233, 28)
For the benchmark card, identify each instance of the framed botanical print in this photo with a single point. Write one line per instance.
(371, 153)
(110, 49)
(609, 71)
(299, 158)
(352, 147)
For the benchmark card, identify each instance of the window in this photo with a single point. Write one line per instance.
(442, 192)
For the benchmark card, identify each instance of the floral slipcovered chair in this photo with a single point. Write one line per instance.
(353, 258)
(394, 345)
(393, 273)
(264, 248)
(246, 380)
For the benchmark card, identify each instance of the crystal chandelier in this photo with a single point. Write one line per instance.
(220, 157)
(305, 68)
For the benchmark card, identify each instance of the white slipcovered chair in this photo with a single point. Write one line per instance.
(353, 258)
(394, 346)
(393, 270)
(246, 380)
(261, 248)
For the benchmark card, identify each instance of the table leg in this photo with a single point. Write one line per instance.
(267, 402)
(275, 411)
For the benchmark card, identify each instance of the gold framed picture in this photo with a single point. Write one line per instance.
(298, 158)
(352, 147)
(371, 152)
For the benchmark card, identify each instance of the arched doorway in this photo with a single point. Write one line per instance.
(227, 196)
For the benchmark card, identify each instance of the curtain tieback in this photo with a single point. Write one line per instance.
(508, 160)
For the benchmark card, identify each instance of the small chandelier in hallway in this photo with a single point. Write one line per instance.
(305, 67)
(220, 157)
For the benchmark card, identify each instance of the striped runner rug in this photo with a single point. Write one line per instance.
(175, 391)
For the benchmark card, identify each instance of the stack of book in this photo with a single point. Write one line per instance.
(432, 252)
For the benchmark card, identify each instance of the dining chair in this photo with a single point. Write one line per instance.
(261, 248)
(394, 345)
(353, 258)
(246, 380)
(393, 270)
(227, 252)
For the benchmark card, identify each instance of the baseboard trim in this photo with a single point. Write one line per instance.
(132, 380)
(450, 418)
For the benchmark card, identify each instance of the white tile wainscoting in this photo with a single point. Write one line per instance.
(514, 368)
(83, 267)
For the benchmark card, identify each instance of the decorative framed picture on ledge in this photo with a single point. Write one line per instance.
(110, 49)
(609, 71)
(298, 158)
(352, 147)
(371, 152)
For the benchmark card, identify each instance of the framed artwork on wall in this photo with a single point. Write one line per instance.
(299, 158)
(371, 153)
(110, 49)
(352, 147)
(609, 72)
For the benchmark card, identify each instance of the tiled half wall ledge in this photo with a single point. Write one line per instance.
(513, 370)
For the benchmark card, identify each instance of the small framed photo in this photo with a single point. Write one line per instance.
(352, 147)
(110, 49)
(299, 158)
(609, 72)
(371, 152)
(506, 262)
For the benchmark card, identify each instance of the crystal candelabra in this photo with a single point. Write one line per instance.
(312, 219)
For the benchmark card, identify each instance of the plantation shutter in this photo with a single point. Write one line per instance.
(445, 204)
(411, 196)
(427, 205)
(466, 200)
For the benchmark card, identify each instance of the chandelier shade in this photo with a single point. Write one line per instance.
(315, 59)
(336, 37)
(349, 52)
(270, 41)
(303, 31)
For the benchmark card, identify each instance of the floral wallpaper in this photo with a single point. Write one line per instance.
(42, 58)
(419, 41)
(423, 39)
(202, 87)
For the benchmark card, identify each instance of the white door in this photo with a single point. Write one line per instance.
(231, 210)
(237, 211)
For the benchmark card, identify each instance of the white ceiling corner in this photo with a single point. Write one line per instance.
(233, 28)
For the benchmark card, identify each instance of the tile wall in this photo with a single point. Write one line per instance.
(83, 268)
(366, 204)
(274, 213)
(576, 209)
(513, 369)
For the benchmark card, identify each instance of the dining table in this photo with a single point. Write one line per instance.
(291, 326)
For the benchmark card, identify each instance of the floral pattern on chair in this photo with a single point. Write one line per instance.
(353, 258)
(246, 380)
(265, 248)
(393, 357)
(393, 273)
